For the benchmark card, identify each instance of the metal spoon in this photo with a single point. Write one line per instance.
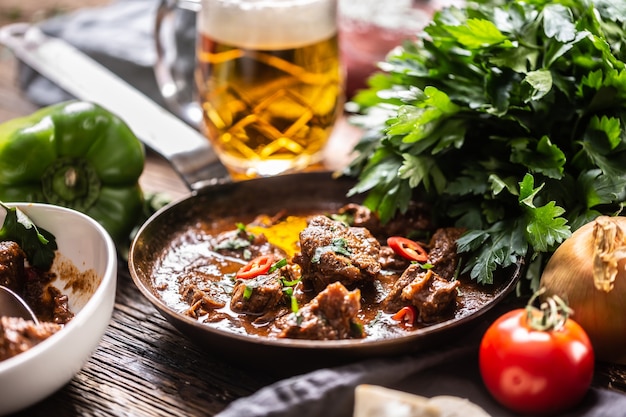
(12, 305)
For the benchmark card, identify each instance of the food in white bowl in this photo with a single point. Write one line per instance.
(85, 269)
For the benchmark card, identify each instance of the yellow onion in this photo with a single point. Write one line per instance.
(588, 271)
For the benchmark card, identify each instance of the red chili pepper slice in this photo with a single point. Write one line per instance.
(408, 249)
(406, 314)
(258, 266)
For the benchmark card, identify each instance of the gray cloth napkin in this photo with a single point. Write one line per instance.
(330, 392)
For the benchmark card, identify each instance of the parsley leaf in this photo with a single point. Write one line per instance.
(38, 244)
(338, 245)
(508, 116)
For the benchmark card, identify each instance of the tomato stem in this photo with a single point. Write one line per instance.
(551, 314)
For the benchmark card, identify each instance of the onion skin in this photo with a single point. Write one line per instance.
(598, 299)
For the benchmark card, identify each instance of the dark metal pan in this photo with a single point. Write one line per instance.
(267, 195)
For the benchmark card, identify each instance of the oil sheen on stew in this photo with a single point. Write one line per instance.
(317, 276)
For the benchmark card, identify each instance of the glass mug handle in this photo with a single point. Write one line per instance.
(175, 38)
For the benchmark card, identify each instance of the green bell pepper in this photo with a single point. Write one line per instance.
(78, 155)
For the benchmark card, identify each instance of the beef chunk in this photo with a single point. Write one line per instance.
(442, 251)
(390, 260)
(47, 302)
(61, 313)
(202, 300)
(332, 251)
(18, 335)
(257, 295)
(331, 315)
(12, 271)
(433, 295)
(394, 301)
(417, 218)
(361, 216)
(424, 289)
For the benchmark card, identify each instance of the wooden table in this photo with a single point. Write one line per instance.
(143, 366)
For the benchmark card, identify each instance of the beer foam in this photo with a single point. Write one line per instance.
(268, 24)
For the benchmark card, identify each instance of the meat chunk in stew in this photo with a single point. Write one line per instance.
(442, 254)
(18, 335)
(432, 295)
(12, 271)
(257, 295)
(416, 220)
(390, 260)
(47, 302)
(358, 215)
(202, 300)
(332, 251)
(331, 315)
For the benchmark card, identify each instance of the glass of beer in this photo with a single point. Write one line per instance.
(269, 82)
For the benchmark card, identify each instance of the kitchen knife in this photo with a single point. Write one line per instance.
(187, 150)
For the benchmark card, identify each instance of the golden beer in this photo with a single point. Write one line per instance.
(271, 90)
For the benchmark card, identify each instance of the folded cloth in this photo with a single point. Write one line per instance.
(330, 392)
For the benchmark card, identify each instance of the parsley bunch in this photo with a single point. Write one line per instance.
(508, 116)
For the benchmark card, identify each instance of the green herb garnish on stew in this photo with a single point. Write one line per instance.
(338, 245)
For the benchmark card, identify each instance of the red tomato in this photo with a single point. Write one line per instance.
(258, 266)
(407, 248)
(536, 372)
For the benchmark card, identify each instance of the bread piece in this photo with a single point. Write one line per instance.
(377, 401)
(451, 406)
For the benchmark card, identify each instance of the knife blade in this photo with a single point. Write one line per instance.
(186, 149)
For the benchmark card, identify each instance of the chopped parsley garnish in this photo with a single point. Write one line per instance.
(345, 218)
(288, 287)
(338, 245)
(234, 243)
(277, 265)
(243, 231)
(247, 292)
(292, 299)
(241, 240)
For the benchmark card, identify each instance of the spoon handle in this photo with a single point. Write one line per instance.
(12, 305)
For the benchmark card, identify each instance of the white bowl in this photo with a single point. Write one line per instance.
(33, 375)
